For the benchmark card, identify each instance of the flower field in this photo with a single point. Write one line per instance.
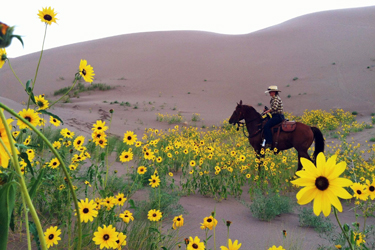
(59, 189)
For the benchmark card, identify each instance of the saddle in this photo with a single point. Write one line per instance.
(285, 126)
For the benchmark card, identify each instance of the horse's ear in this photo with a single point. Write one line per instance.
(240, 102)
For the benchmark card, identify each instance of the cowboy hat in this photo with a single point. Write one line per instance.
(272, 88)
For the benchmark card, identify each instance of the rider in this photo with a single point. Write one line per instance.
(277, 114)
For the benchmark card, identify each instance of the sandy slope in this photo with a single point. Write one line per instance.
(331, 53)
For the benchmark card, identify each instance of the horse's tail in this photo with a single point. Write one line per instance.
(319, 141)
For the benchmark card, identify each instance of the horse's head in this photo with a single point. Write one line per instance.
(237, 115)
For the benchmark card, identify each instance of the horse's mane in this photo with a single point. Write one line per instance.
(251, 110)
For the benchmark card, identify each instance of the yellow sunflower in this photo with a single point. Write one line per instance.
(54, 163)
(54, 121)
(142, 170)
(371, 188)
(209, 222)
(47, 15)
(109, 202)
(154, 215)
(149, 155)
(126, 156)
(41, 102)
(78, 142)
(30, 115)
(322, 184)
(121, 241)
(359, 191)
(51, 235)
(97, 135)
(87, 210)
(120, 199)
(127, 216)
(192, 163)
(102, 142)
(56, 144)
(106, 237)
(276, 248)
(3, 57)
(178, 221)
(15, 133)
(99, 126)
(195, 244)
(130, 138)
(232, 245)
(67, 133)
(154, 181)
(86, 71)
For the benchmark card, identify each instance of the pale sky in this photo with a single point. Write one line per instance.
(83, 20)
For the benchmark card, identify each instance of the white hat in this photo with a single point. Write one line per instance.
(272, 88)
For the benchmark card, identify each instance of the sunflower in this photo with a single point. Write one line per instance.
(121, 241)
(30, 154)
(51, 235)
(170, 174)
(232, 245)
(371, 188)
(30, 115)
(359, 191)
(78, 142)
(192, 163)
(87, 183)
(322, 183)
(56, 144)
(61, 187)
(178, 221)
(159, 159)
(109, 202)
(97, 135)
(127, 216)
(149, 155)
(154, 215)
(120, 199)
(126, 156)
(102, 142)
(15, 133)
(54, 163)
(98, 203)
(130, 138)
(209, 222)
(27, 141)
(106, 237)
(195, 244)
(86, 71)
(3, 57)
(67, 133)
(142, 170)
(276, 248)
(41, 102)
(87, 210)
(54, 121)
(99, 126)
(47, 15)
(138, 144)
(154, 181)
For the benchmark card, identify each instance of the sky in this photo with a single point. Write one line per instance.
(83, 20)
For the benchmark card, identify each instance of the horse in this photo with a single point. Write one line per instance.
(301, 138)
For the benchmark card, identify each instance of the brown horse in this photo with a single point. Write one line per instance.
(301, 138)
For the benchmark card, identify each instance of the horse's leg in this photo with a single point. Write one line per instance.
(303, 154)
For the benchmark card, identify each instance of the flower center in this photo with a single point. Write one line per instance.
(85, 210)
(126, 215)
(359, 192)
(178, 219)
(51, 236)
(84, 72)
(78, 142)
(321, 183)
(40, 104)
(371, 188)
(47, 17)
(28, 118)
(129, 138)
(195, 246)
(106, 237)
(209, 220)
(153, 215)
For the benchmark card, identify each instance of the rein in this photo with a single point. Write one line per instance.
(239, 124)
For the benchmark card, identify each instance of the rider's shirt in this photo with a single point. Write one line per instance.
(276, 105)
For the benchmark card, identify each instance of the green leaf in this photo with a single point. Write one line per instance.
(25, 157)
(36, 184)
(7, 200)
(34, 232)
(50, 114)
(132, 204)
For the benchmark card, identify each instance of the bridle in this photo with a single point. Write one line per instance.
(242, 124)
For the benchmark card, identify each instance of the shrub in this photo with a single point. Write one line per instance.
(267, 207)
(307, 218)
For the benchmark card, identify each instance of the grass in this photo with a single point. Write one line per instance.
(80, 87)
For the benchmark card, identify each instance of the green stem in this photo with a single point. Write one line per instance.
(74, 83)
(14, 73)
(28, 200)
(26, 222)
(106, 156)
(346, 236)
(37, 68)
(24, 190)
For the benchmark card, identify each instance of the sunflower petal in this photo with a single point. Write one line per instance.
(341, 182)
(321, 163)
(306, 195)
(326, 203)
(309, 166)
(334, 200)
(337, 170)
(317, 204)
